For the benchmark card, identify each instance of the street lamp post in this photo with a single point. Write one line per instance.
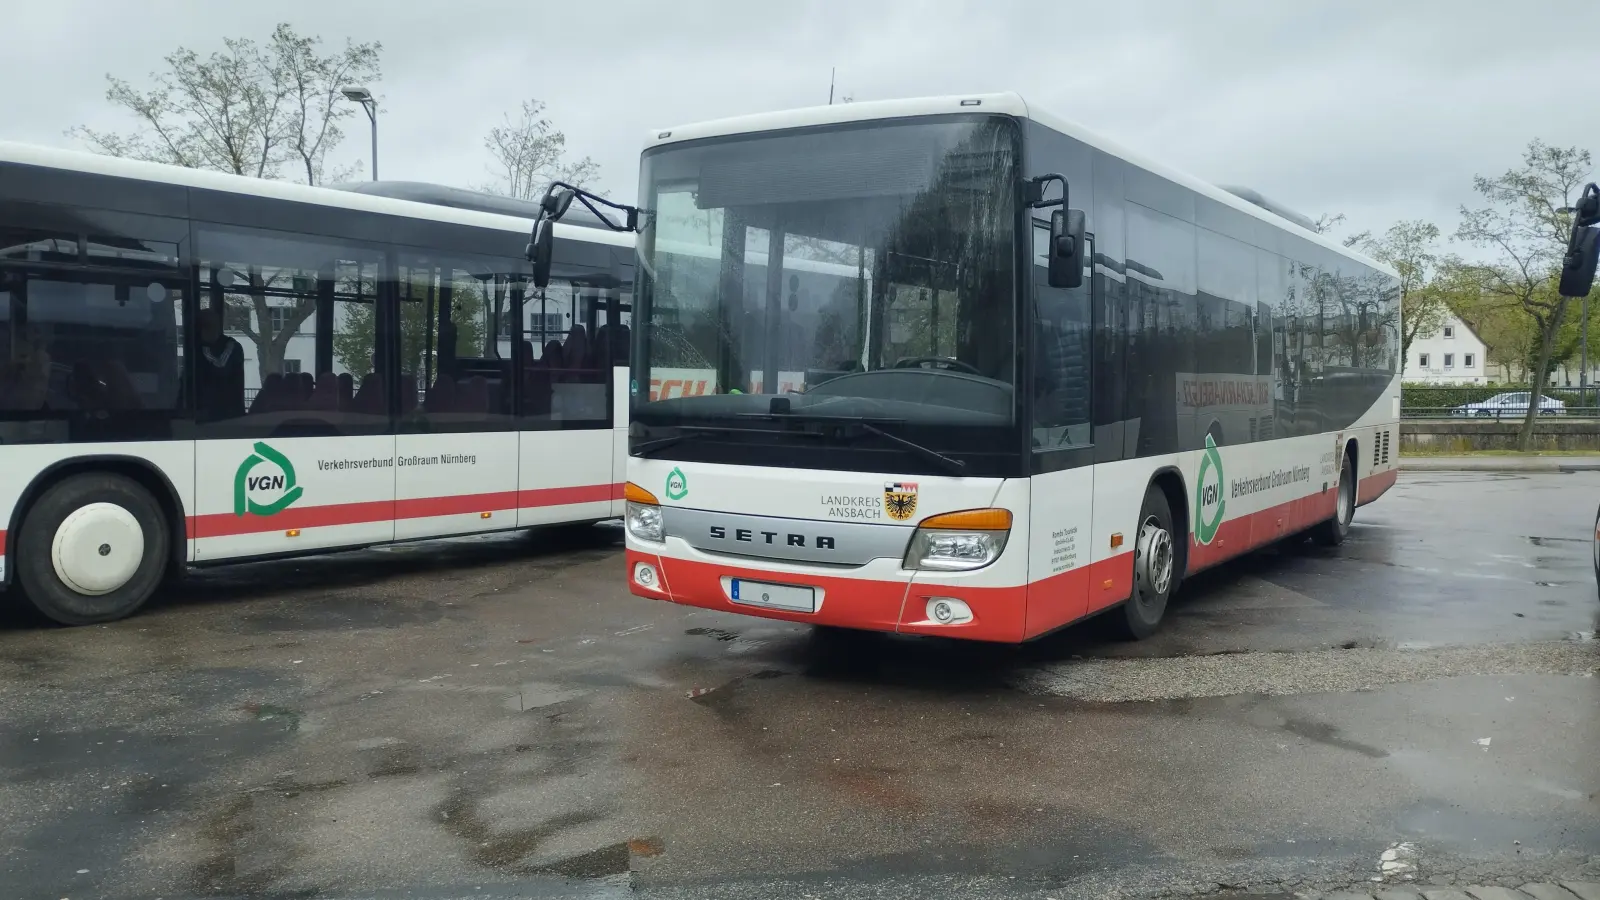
(364, 97)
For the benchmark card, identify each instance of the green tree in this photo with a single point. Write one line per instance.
(1524, 230)
(354, 334)
(264, 110)
(1411, 249)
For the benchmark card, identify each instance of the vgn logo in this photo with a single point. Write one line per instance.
(677, 484)
(1208, 499)
(276, 489)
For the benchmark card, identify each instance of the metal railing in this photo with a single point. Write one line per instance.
(1478, 402)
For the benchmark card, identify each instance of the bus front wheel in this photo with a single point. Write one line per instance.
(92, 548)
(1155, 567)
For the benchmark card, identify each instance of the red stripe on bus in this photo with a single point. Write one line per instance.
(226, 524)
(1373, 487)
(2, 542)
(1007, 614)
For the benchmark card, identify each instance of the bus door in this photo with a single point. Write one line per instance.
(286, 368)
(1061, 506)
(616, 311)
(567, 452)
(456, 451)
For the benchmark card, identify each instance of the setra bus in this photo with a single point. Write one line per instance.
(198, 368)
(1044, 377)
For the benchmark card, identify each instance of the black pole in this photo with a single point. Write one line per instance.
(371, 107)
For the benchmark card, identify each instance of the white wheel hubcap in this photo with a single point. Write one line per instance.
(1153, 558)
(97, 548)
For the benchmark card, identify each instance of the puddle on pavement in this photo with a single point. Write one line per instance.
(720, 693)
(1553, 541)
(720, 634)
(1328, 735)
(266, 712)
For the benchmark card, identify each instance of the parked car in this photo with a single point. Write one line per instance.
(1510, 405)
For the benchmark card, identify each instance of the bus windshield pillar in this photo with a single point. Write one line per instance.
(730, 303)
(769, 374)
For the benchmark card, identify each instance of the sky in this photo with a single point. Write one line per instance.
(1378, 110)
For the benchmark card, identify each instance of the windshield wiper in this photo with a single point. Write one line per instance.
(685, 432)
(928, 454)
(948, 463)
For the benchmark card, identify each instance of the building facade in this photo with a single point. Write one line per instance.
(1451, 355)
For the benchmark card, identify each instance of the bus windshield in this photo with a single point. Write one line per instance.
(865, 272)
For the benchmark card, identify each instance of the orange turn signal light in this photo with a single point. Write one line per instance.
(635, 494)
(971, 520)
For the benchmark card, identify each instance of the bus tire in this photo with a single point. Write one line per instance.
(93, 548)
(1596, 549)
(1331, 533)
(1155, 567)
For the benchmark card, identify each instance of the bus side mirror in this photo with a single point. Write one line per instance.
(542, 250)
(555, 203)
(1578, 268)
(1067, 247)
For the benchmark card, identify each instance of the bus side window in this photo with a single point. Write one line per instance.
(457, 328)
(90, 323)
(297, 352)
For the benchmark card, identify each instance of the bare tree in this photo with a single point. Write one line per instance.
(1525, 230)
(311, 93)
(529, 153)
(248, 110)
(1327, 222)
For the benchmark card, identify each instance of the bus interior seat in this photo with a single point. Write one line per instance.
(325, 395)
(119, 385)
(441, 396)
(347, 390)
(536, 391)
(267, 396)
(369, 397)
(408, 393)
(553, 355)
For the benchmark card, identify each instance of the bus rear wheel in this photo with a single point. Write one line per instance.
(1332, 532)
(92, 548)
(1155, 568)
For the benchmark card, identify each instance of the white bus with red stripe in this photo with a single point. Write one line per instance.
(1046, 378)
(198, 368)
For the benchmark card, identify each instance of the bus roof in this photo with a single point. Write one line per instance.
(1009, 103)
(361, 201)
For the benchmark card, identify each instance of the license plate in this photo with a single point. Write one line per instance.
(776, 596)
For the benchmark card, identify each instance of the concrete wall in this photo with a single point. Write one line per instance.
(1550, 433)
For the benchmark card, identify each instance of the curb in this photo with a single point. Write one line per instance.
(1528, 465)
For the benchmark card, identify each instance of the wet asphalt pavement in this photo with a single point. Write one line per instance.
(499, 718)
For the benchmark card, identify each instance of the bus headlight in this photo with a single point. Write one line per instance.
(642, 514)
(958, 541)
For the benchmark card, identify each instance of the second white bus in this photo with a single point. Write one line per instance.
(198, 368)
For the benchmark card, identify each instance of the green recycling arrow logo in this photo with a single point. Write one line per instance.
(1208, 499)
(677, 484)
(244, 483)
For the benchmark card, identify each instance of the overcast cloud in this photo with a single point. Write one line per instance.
(1379, 110)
